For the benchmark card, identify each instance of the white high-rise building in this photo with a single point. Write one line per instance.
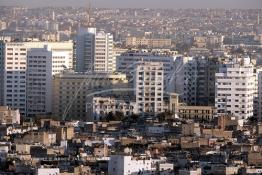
(61, 60)
(126, 62)
(235, 84)
(259, 95)
(257, 92)
(94, 51)
(39, 81)
(104, 53)
(14, 80)
(149, 87)
(13, 62)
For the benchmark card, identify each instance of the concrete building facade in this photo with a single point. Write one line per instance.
(103, 61)
(39, 82)
(102, 106)
(94, 51)
(73, 92)
(125, 165)
(9, 116)
(14, 67)
(85, 49)
(149, 43)
(149, 87)
(199, 81)
(235, 84)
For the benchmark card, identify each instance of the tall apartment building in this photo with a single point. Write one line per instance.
(73, 92)
(39, 81)
(258, 98)
(61, 60)
(14, 76)
(94, 51)
(2, 64)
(85, 49)
(199, 81)
(257, 101)
(103, 52)
(235, 89)
(148, 42)
(149, 87)
(126, 63)
(13, 60)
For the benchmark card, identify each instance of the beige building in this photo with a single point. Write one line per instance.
(22, 148)
(190, 129)
(101, 151)
(102, 106)
(82, 170)
(49, 122)
(64, 133)
(217, 133)
(207, 41)
(196, 112)
(196, 171)
(254, 158)
(150, 43)
(44, 138)
(9, 116)
(200, 42)
(190, 112)
(73, 92)
(259, 128)
(227, 121)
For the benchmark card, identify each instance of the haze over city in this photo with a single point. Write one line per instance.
(141, 3)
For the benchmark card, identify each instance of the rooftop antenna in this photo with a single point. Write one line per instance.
(53, 15)
(258, 19)
(89, 12)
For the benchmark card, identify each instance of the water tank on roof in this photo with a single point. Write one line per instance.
(246, 60)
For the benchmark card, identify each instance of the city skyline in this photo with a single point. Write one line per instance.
(170, 4)
(131, 91)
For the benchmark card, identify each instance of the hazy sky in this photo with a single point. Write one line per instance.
(141, 3)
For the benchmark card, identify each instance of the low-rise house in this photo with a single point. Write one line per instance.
(196, 171)
(9, 116)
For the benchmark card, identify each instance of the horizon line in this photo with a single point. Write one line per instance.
(128, 8)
